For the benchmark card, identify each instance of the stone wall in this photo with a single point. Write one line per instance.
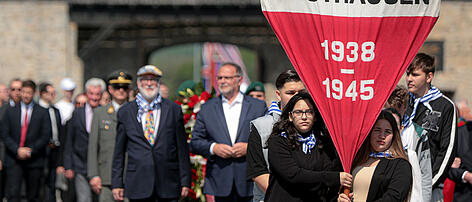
(38, 42)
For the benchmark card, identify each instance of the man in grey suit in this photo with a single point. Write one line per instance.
(102, 136)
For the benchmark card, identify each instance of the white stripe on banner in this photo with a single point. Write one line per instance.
(356, 8)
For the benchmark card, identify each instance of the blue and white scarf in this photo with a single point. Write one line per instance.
(432, 94)
(307, 143)
(380, 154)
(144, 106)
(274, 108)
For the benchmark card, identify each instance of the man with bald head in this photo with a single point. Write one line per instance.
(221, 135)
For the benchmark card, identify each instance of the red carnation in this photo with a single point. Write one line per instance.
(194, 98)
(205, 96)
(187, 117)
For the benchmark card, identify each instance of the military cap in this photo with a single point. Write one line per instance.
(119, 78)
(255, 86)
(149, 70)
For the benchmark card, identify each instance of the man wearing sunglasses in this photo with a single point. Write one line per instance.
(102, 136)
(15, 91)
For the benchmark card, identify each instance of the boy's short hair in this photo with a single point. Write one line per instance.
(286, 76)
(422, 61)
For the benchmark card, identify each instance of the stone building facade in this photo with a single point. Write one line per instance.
(38, 42)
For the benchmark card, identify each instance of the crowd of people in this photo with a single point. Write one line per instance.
(112, 143)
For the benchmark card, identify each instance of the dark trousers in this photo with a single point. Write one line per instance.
(51, 178)
(15, 175)
(233, 197)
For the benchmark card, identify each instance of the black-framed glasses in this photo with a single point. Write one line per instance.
(299, 113)
(227, 77)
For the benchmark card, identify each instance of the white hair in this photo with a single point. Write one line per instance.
(96, 82)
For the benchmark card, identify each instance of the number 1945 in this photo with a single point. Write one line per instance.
(335, 89)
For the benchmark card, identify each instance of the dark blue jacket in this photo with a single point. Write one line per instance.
(211, 127)
(75, 149)
(163, 168)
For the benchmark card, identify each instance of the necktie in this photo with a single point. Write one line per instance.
(55, 137)
(149, 127)
(24, 129)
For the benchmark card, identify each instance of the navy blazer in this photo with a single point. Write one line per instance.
(75, 149)
(37, 136)
(211, 127)
(163, 168)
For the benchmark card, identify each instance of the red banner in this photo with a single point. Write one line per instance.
(350, 55)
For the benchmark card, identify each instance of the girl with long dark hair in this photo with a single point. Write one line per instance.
(381, 169)
(303, 161)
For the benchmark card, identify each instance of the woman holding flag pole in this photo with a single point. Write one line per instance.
(381, 169)
(303, 160)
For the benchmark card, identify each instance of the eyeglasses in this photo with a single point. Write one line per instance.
(15, 89)
(227, 77)
(299, 113)
(151, 79)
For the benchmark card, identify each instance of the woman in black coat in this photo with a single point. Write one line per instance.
(303, 161)
(381, 169)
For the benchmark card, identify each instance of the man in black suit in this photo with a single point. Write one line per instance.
(14, 97)
(78, 130)
(26, 133)
(151, 131)
(47, 95)
(221, 134)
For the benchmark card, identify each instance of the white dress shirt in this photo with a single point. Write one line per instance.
(30, 111)
(232, 113)
(88, 117)
(115, 105)
(65, 109)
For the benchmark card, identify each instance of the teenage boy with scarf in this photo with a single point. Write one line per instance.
(288, 84)
(434, 112)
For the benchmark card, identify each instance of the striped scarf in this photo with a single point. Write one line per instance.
(432, 94)
(143, 105)
(380, 154)
(307, 143)
(274, 108)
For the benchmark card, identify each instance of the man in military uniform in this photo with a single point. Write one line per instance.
(102, 136)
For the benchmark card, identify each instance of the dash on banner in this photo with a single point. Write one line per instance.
(347, 71)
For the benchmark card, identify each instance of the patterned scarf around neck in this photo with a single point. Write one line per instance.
(274, 108)
(143, 105)
(381, 154)
(432, 94)
(307, 142)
